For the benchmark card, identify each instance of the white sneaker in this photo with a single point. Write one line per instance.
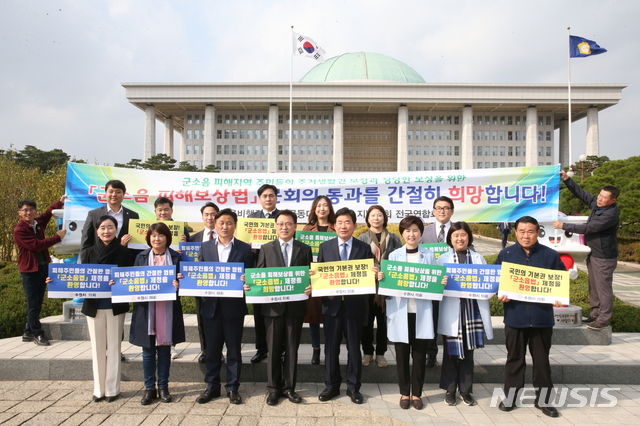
(174, 353)
(366, 360)
(381, 361)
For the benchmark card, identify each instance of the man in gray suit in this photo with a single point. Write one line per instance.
(114, 191)
(283, 321)
(268, 195)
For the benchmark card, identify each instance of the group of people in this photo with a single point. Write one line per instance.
(410, 324)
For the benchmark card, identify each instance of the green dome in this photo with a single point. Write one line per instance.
(362, 66)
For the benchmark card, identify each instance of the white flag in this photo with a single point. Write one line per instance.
(304, 46)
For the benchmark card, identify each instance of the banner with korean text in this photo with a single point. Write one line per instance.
(531, 284)
(256, 231)
(343, 278)
(190, 251)
(472, 281)
(211, 279)
(437, 248)
(143, 284)
(87, 281)
(314, 239)
(138, 230)
(480, 195)
(272, 285)
(411, 280)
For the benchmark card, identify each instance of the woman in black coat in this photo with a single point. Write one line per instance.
(154, 340)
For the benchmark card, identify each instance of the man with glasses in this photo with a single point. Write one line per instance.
(437, 233)
(33, 261)
(284, 320)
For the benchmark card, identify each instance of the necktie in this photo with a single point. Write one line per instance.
(285, 254)
(441, 234)
(343, 252)
(268, 215)
(210, 235)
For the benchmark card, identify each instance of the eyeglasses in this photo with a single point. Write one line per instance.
(27, 210)
(442, 209)
(285, 225)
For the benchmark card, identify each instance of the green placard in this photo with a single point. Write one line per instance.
(437, 248)
(273, 285)
(314, 239)
(412, 280)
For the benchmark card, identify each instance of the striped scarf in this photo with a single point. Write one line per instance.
(469, 323)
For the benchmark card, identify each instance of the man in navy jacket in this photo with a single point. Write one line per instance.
(343, 314)
(526, 323)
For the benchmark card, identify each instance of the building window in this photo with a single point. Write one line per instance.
(241, 118)
(219, 119)
(518, 151)
(234, 134)
(196, 149)
(303, 165)
(548, 151)
(264, 165)
(479, 164)
(219, 164)
(448, 135)
(494, 136)
(510, 151)
(410, 166)
(517, 135)
(249, 149)
(548, 136)
(417, 135)
(548, 120)
(418, 150)
(295, 150)
(540, 135)
(441, 151)
(264, 152)
(418, 166)
(295, 165)
(241, 165)
(487, 151)
(411, 119)
(249, 165)
(226, 150)
(410, 135)
(494, 150)
(234, 149)
(189, 134)
(410, 150)
(250, 118)
(226, 164)
(280, 165)
(456, 151)
(241, 149)
(189, 119)
(218, 149)
(479, 149)
(318, 150)
(318, 163)
(540, 151)
(456, 119)
(188, 152)
(326, 166)
(479, 136)
(448, 150)
(218, 134)
(501, 136)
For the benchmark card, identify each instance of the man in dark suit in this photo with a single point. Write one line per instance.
(505, 230)
(209, 212)
(114, 191)
(223, 318)
(283, 321)
(437, 233)
(343, 314)
(268, 195)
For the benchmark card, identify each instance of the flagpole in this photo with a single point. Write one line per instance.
(569, 87)
(291, 106)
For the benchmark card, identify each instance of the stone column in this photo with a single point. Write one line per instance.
(403, 122)
(272, 145)
(338, 144)
(149, 132)
(168, 136)
(563, 144)
(593, 134)
(209, 135)
(466, 139)
(532, 136)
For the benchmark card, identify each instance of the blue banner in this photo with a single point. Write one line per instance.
(190, 251)
(143, 284)
(211, 279)
(472, 281)
(86, 281)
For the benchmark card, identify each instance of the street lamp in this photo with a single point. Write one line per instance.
(582, 167)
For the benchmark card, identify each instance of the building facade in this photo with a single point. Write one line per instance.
(368, 112)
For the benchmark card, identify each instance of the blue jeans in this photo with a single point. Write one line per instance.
(149, 366)
(34, 288)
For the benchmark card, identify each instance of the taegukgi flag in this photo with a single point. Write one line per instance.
(580, 47)
(305, 46)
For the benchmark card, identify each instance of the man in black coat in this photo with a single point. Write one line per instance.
(283, 321)
(223, 318)
(601, 235)
(268, 195)
(343, 314)
(114, 192)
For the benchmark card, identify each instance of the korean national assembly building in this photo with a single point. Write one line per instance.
(368, 112)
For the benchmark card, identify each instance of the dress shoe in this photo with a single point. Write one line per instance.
(366, 360)
(122, 357)
(293, 397)
(328, 394)
(598, 325)
(405, 403)
(548, 411)
(468, 399)
(112, 398)
(97, 398)
(149, 395)
(27, 336)
(450, 398)
(315, 358)
(356, 397)
(202, 357)
(40, 340)
(417, 403)
(273, 398)
(174, 352)
(589, 320)
(381, 361)
(165, 396)
(234, 397)
(431, 361)
(207, 396)
(503, 407)
(259, 356)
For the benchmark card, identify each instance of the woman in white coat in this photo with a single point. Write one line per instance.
(410, 321)
(463, 323)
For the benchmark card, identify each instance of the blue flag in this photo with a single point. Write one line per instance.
(582, 48)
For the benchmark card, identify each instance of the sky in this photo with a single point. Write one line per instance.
(62, 62)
